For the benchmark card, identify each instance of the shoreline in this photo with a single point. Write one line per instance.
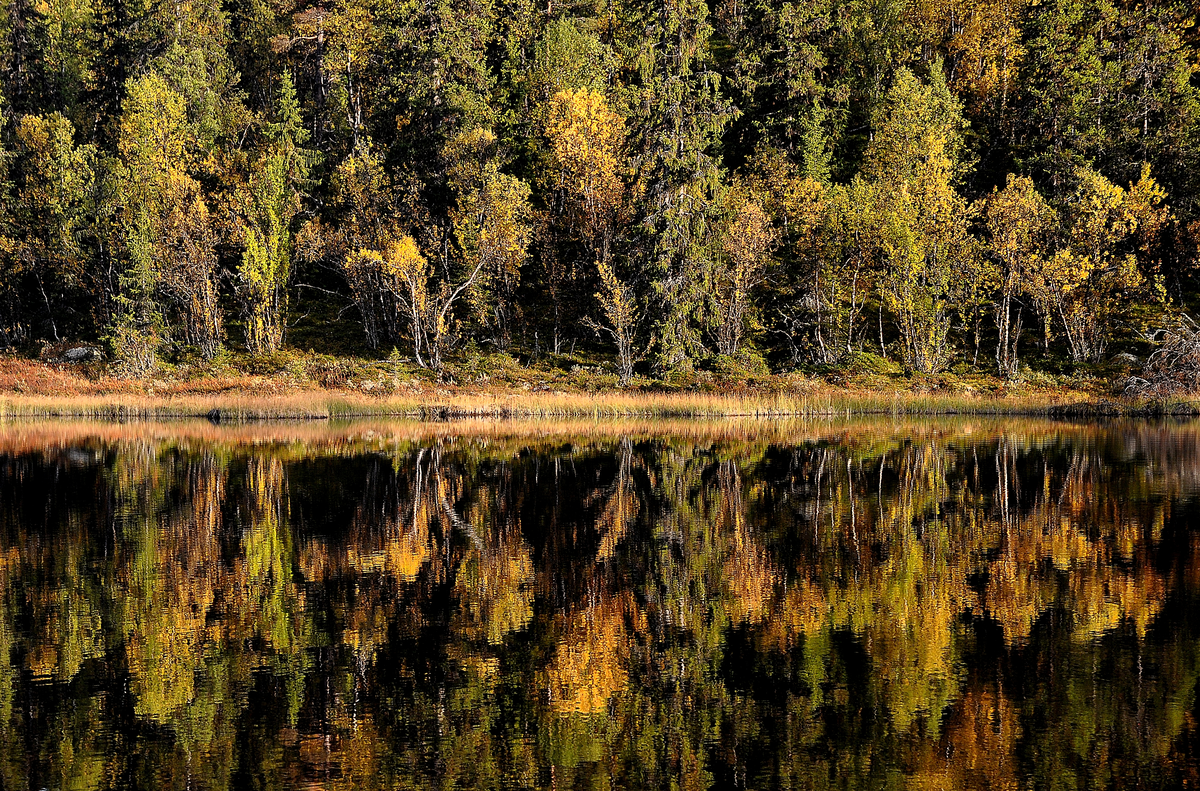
(497, 388)
(335, 405)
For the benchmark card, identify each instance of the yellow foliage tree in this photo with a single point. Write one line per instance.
(54, 200)
(747, 246)
(586, 138)
(1018, 223)
(620, 309)
(168, 234)
(982, 41)
(914, 161)
(405, 273)
(491, 221)
(373, 208)
(1093, 275)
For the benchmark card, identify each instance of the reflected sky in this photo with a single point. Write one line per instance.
(873, 603)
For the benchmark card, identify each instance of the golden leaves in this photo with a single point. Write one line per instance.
(617, 301)
(589, 664)
(586, 138)
(401, 270)
(491, 221)
(495, 590)
(983, 40)
(56, 194)
(749, 239)
(496, 219)
(1089, 278)
(1018, 221)
(152, 132)
(747, 245)
(1145, 201)
(404, 261)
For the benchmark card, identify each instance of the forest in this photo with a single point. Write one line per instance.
(655, 186)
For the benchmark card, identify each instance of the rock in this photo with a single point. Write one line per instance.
(1126, 358)
(81, 354)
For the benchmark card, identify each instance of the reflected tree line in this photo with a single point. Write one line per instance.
(932, 609)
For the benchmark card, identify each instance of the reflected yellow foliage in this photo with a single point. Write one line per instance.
(495, 589)
(589, 664)
(346, 756)
(166, 636)
(1015, 597)
(73, 633)
(1108, 576)
(9, 559)
(621, 507)
(978, 755)
(170, 585)
(750, 577)
(403, 554)
(803, 610)
(663, 592)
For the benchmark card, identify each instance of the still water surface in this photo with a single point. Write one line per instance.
(873, 604)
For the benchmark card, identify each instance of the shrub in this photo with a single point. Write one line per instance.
(861, 362)
(329, 372)
(746, 364)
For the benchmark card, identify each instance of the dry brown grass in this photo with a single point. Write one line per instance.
(237, 404)
(33, 388)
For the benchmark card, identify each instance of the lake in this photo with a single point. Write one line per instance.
(874, 603)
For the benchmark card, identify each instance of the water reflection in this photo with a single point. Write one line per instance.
(950, 604)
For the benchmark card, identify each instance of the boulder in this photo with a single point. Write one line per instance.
(81, 354)
(1125, 358)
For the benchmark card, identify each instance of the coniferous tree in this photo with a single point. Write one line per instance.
(678, 116)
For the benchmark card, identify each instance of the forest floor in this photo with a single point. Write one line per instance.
(305, 385)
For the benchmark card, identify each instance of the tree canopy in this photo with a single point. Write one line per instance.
(668, 184)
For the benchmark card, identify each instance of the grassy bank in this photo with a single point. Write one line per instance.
(314, 387)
